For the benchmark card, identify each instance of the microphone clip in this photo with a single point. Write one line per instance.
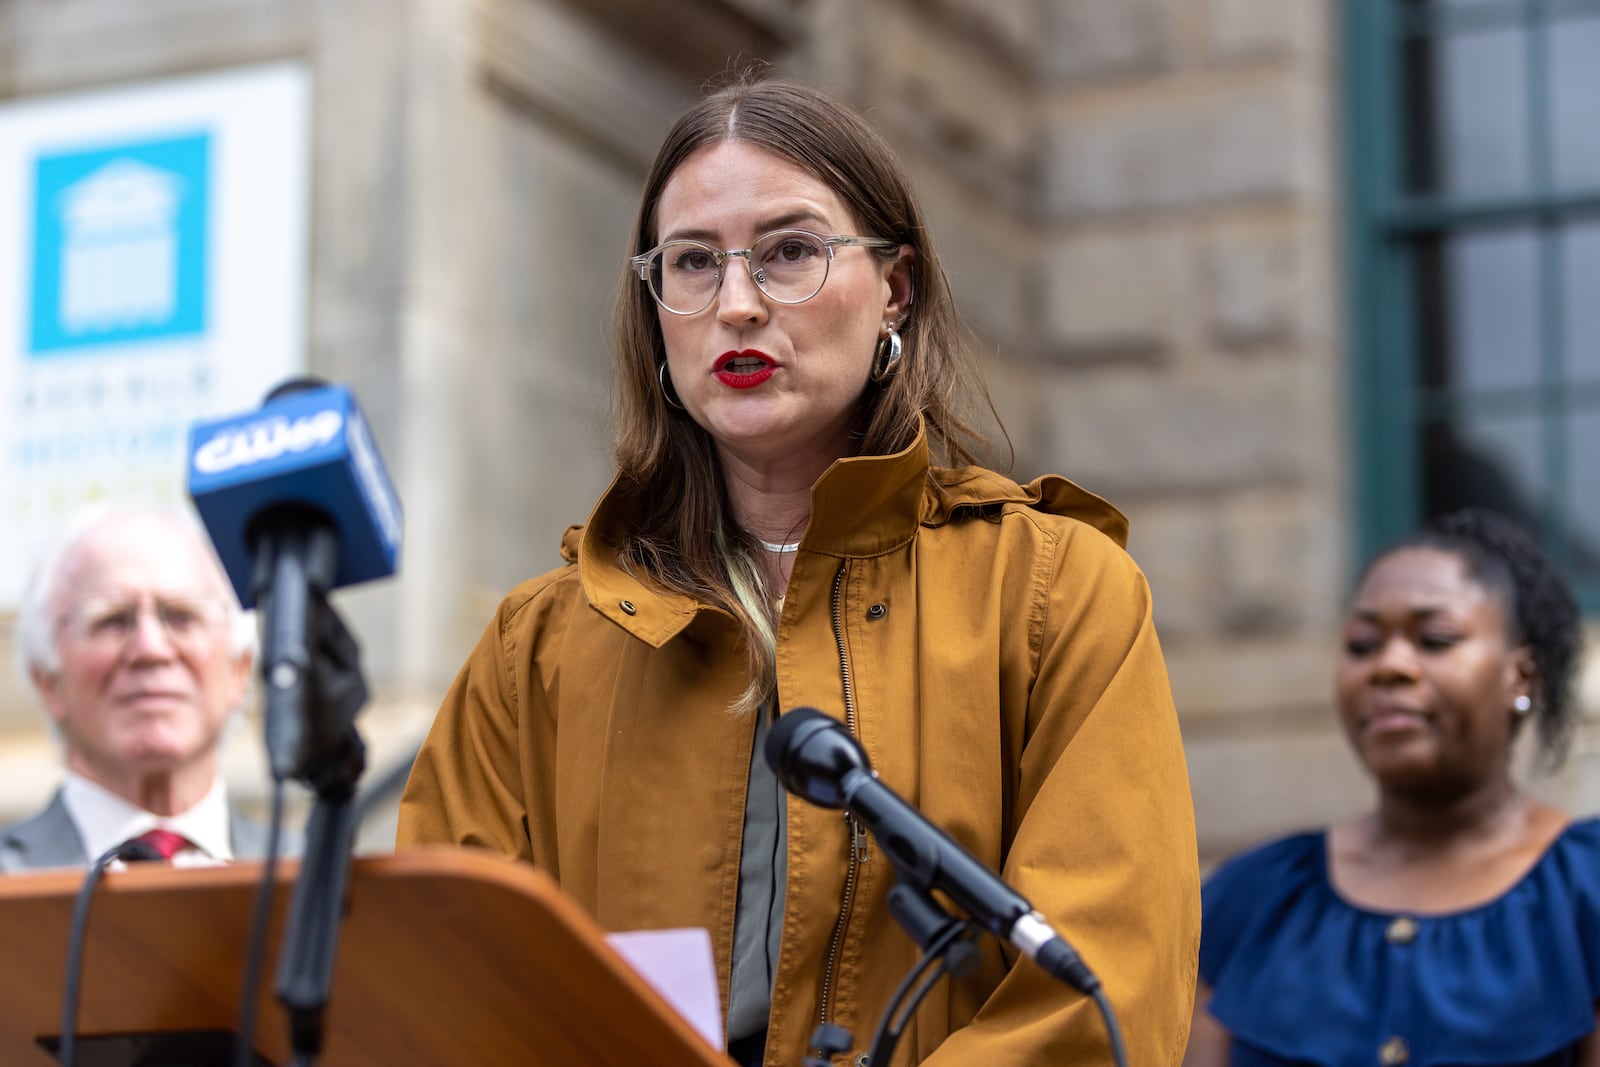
(934, 928)
(310, 662)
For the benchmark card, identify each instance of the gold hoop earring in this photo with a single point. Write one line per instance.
(667, 392)
(887, 357)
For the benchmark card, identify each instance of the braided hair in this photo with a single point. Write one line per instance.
(1541, 612)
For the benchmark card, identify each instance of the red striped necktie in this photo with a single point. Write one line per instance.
(164, 843)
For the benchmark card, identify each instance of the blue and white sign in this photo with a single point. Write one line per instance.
(120, 238)
(153, 248)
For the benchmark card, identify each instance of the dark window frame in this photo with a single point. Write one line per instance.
(1385, 226)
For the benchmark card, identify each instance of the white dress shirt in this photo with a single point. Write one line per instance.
(104, 819)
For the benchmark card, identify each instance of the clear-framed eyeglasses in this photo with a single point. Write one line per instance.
(109, 623)
(789, 266)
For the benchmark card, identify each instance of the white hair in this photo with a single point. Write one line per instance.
(36, 649)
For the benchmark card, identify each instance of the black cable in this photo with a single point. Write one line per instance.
(127, 850)
(898, 1028)
(1118, 1054)
(888, 1032)
(261, 915)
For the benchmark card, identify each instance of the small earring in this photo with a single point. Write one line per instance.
(1522, 704)
(888, 354)
(667, 392)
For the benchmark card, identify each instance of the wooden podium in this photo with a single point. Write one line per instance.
(444, 957)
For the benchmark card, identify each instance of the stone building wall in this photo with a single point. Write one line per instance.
(1192, 313)
(1136, 200)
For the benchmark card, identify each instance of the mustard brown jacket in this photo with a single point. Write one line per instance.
(991, 646)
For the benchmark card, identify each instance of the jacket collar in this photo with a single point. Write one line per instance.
(861, 507)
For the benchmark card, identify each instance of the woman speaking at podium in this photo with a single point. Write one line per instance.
(798, 518)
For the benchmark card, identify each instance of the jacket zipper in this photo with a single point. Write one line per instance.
(858, 833)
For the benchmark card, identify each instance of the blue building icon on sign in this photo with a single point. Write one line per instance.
(119, 249)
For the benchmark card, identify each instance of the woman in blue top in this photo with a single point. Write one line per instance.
(1459, 923)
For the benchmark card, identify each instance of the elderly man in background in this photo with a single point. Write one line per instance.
(140, 654)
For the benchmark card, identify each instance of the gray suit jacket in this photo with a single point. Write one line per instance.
(50, 839)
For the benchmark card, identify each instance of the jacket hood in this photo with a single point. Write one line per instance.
(983, 490)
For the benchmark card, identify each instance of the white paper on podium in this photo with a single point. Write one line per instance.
(679, 965)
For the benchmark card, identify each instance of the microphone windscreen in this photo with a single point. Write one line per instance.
(309, 448)
(781, 737)
(814, 756)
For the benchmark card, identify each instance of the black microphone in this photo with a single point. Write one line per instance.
(816, 758)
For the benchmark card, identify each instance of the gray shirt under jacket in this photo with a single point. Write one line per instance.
(758, 921)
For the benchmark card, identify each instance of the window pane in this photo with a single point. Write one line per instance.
(1471, 89)
(1583, 496)
(1580, 299)
(1490, 463)
(1478, 309)
(1574, 93)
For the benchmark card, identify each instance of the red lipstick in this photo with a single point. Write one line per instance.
(743, 370)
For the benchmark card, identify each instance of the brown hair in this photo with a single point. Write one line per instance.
(687, 539)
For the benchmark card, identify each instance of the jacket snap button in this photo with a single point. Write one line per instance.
(628, 608)
(1394, 1052)
(877, 611)
(1402, 931)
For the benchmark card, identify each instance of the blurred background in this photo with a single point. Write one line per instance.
(1278, 277)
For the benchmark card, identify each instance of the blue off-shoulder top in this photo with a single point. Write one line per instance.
(1301, 976)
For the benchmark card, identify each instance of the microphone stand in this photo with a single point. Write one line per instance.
(305, 968)
(314, 690)
(947, 950)
(947, 947)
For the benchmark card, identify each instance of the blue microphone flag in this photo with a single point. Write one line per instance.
(310, 448)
